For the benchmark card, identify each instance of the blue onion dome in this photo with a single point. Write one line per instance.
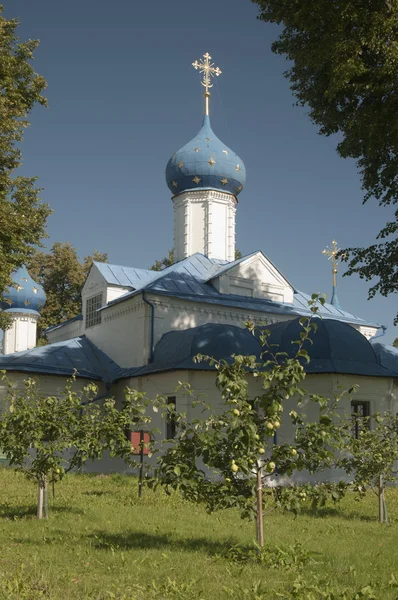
(205, 163)
(25, 295)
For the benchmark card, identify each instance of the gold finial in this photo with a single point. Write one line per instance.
(209, 70)
(332, 255)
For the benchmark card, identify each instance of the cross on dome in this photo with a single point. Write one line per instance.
(208, 70)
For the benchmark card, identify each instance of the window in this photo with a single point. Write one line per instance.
(92, 305)
(360, 412)
(171, 419)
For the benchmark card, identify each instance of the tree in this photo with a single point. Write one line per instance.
(167, 261)
(345, 69)
(372, 457)
(22, 215)
(238, 445)
(62, 276)
(395, 343)
(45, 437)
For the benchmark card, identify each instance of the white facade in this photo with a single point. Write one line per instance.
(204, 221)
(22, 333)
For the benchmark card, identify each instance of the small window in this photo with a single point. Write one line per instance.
(171, 419)
(360, 411)
(93, 317)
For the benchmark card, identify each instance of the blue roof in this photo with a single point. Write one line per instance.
(25, 295)
(189, 280)
(125, 276)
(205, 163)
(336, 348)
(62, 358)
(176, 349)
(386, 355)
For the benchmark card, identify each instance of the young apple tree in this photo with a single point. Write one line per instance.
(224, 458)
(371, 456)
(47, 436)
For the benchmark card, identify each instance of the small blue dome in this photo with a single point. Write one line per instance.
(205, 163)
(25, 295)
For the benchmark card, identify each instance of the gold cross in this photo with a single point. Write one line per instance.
(332, 255)
(208, 70)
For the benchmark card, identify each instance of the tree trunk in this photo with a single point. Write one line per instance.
(45, 498)
(40, 499)
(381, 499)
(259, 520)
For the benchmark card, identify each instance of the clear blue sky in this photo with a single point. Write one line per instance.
(123, 97)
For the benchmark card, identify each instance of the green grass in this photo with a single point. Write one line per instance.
(102, 542)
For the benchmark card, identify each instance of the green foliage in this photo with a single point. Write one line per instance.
(293, 558)
(344, 68)
(62, 276)
(238, 444)
(371, 459)
(47, 436)
(167, 261)
(22, 215)
(395, 343)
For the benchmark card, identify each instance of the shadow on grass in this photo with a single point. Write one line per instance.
(30, 512)
(141, 540)
(329, 511)
(98, 493)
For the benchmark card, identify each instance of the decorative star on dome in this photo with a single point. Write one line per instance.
(225, 152)
(239, 189)
(238, 167)
(180, 164)
(208, 139)
(18, 287)
(196, 179)
(24, 279)
(175, 184)
(224, 181)
(35, 290)
(197, 149)
(9, 301)
(27, 302)
(212, 162)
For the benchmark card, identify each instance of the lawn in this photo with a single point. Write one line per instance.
(102, 542)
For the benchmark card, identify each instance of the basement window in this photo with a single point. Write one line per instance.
(171, 419)
(93, 317)
(360, 412)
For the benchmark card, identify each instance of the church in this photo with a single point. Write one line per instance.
(141, 328)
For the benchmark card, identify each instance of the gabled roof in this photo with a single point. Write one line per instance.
(231, 265)
(125, 276)
(189, 280)
(62, 358)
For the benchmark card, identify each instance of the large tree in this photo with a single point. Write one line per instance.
(344, 67)
(22, 215)
(62, 276)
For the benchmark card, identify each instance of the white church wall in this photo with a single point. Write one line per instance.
(50, 385)
(123, 333)
(382, 393)
(368, 332)
(172, 314)
(255, 277)
(66, 332)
